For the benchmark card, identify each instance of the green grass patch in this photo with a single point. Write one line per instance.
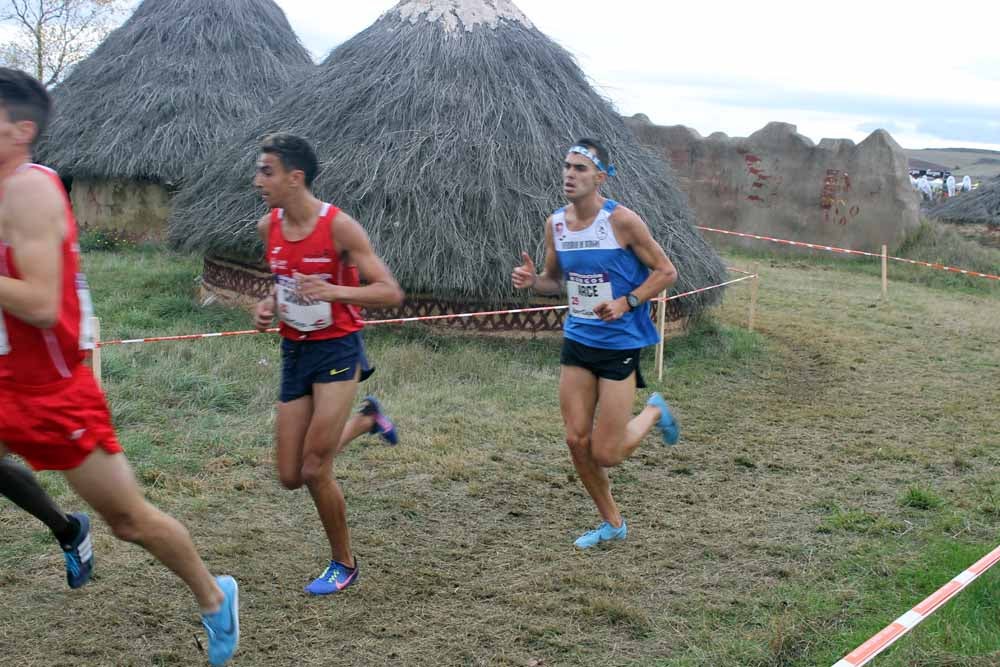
(881, 585)
(858, 521)
(921, 499)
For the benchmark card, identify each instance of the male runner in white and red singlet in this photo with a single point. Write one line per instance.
(53, 413)
(315, 252)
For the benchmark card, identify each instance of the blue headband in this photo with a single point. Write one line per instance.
(589, 154)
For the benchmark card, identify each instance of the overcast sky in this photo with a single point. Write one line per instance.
(929, 72)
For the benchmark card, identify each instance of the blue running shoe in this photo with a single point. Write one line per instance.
(223, 627)
(79, 554)
(668, 426)
(603, 533)
(335, 578)
(383, 426)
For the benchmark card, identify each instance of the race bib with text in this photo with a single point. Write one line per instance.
(299, 312)
(87, 341)
(585, 291)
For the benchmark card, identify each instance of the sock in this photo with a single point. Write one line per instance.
(70, 533)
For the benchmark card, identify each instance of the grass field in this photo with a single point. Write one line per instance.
(834, 469)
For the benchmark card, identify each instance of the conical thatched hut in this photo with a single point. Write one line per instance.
(979, 207)
(137, 118)
(442, 128)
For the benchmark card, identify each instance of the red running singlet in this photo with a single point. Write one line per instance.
(302, 318)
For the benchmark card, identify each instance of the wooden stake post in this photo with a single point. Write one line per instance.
(885, 272)
(754, 289)
(661, 318)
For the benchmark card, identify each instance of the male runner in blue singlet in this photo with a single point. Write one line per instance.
(611, 266)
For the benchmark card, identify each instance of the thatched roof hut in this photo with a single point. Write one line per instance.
(442, 128)
(981, 206)
(138, 117)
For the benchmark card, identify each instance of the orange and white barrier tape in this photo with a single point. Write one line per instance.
(814, 246)
(406, 320)
(902, 625)
(846, 251)
(943, 267)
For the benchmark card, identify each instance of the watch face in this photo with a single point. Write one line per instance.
(633, 300)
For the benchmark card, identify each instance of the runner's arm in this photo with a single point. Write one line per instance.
(381, 289)
(34, 220)
(631, 229)
(266, 307)
(264, 232)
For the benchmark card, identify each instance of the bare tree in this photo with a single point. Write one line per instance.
(47, 37)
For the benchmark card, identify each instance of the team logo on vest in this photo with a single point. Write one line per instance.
(602, 231)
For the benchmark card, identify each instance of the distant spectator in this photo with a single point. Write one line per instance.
(925, 188)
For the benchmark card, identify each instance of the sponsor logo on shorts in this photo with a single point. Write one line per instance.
(336, 372)
(77, 434)
(628, 361)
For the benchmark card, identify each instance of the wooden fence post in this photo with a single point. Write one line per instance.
(754, 288)
(885, 272)
(661, 316)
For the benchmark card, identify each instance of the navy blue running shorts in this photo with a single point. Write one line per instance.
(308, 362)
(607, 364)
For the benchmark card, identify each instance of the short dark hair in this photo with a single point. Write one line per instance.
(597, 147)
(24, 98)
(294, 153)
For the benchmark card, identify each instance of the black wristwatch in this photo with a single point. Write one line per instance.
(632, 300)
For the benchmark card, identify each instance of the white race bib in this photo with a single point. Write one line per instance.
(87, 341)
(299, 312)
(4, 341)
(585, 291)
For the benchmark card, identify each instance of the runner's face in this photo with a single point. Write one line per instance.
(15, 138)
(273, 181)
(581, 177)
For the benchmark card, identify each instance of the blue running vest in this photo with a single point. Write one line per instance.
(597, 269)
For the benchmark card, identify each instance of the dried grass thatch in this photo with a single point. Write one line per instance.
(165, 89)
(442, 128)
(981, 206)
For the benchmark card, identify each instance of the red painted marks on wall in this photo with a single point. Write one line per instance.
(760, 177)
(833, 198)
(680, 158)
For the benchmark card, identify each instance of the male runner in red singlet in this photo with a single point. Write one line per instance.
(53, 412)
(311, 247)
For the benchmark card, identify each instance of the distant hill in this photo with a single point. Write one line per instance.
(978, 163)
(924, 164)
